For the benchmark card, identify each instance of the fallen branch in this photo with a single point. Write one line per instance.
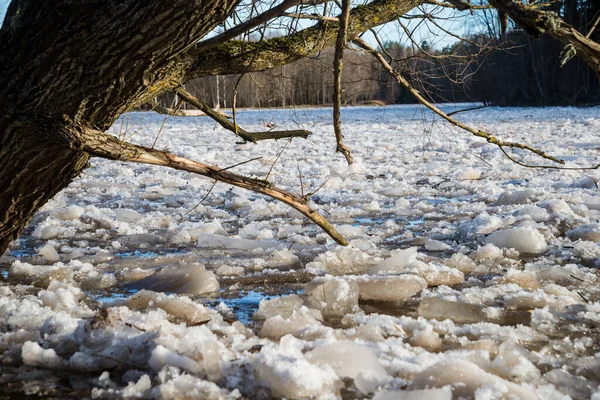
(490, 138)
(100, 144)
(225, 123)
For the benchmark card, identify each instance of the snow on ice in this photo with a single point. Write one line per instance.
(466, 276)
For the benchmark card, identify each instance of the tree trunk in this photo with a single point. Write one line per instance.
(81, 63)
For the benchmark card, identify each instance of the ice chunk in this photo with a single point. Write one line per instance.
(181, 308)
(190, 387)
(436, 275)
(49, 253)
(128, 216)
(527, 280)
(390, 288)
(516, 197)
(463, 263)
(278, 326)
(283, 257)
(283, 306)
(229, 270)
(538, 214)
(459, 312)
(512, 363)
(69, 213)
(587, 250)
(334, 297)
(524, 240)
(427, 339)
(575, 386)
(179, 278)
(60, 296)
(180, 236)
(470, 174)
(426, 394)
(342, 260)
(350, 231)
(48, 232)
(162, 356)
(288, 374)
(487, 345)
(206, 240)
(396, 262)
(36, 356)
(587, 232)
(487, 252)
(466, 378)
(436, 245)
(211, 360)
(351, 360)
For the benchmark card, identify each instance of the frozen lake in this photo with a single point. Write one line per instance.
(466, 274)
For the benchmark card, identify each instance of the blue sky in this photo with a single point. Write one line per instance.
(389, 32)
(3, 7)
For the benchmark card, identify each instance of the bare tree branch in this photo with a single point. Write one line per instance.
(246, 26)
(225, 123)
(100, 144)
(315, 17)
(490, 138)
(338, 67)
(232, 57)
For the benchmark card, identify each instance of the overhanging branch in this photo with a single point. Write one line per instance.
(100, 144)
(233, 57)
(490, 138)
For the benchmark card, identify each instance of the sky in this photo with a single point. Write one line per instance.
(389, 32)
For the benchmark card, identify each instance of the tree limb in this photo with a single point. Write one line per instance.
(536, 22)
(100, 144)
(246, 26)
(233, 56)
(490, 138)
(225, 123)
(338, 66)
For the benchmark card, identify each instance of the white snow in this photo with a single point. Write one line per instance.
(466, 274)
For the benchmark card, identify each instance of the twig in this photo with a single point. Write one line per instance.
(179, 103)
(300, 177)
(241, 163)
(490, 138)
(465, 110)
(204, 198)
(277, 158)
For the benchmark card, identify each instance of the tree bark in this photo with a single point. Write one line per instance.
(81, 62)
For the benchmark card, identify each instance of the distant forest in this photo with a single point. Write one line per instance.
(511, 69)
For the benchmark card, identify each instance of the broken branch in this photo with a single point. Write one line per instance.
(225, 123)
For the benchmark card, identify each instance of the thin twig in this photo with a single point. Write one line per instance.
(205, 197)
(490, 138)
(179, 103)
(277, 158)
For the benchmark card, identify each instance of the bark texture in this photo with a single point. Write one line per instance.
(81, 62)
